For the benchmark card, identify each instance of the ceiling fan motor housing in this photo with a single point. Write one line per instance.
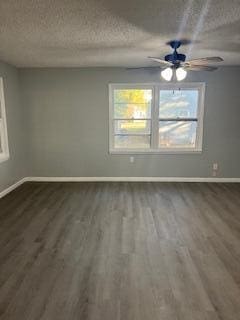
(175, 57)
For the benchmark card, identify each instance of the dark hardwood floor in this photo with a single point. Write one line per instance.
(129, 251)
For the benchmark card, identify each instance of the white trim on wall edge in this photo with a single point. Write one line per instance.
(12, 187)
(132, 179)
(117, 179)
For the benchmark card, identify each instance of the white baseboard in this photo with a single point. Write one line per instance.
(132, 179)
(117, 179)
(12, 187)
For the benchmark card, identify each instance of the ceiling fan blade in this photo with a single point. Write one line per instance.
(162, 62)
(204, 60)
(199, 68)
(137, 68)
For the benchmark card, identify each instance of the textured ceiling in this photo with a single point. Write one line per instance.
(43, 33)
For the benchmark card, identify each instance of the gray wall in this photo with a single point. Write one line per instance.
(13, 169)
(67, 116)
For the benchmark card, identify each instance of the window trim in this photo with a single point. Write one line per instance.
(4, 134)
(156, 87)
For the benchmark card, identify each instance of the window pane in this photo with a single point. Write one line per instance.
(178, 103)
(132, 103)
(1, 149)
(1, 134)
(132, 126)
(174, 134)
(132, 142)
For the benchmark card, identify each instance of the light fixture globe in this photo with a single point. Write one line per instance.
(167, 74)
(181, 74)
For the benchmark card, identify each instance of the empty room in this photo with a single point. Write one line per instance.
(119, 160)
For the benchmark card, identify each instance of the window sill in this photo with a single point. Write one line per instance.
(4, 157)
(153, 151)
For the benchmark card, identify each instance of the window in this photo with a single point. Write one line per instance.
(156, 118)
(4, 153)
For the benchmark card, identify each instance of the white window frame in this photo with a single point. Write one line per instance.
(156, 87)
(4, 155)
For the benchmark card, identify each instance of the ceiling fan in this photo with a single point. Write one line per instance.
(176, 62)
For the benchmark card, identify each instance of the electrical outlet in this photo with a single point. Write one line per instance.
(214, 173)
(215, 169)
(132, 159)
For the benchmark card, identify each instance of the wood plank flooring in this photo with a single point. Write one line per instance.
(120, 251)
